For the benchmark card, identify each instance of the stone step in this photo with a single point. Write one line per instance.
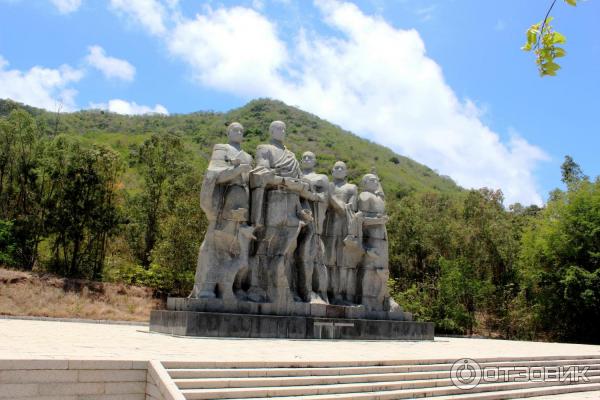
(489, 391)
(352, 363)
(373, 390)
(189, 373)
(214, 383)
(528, 393)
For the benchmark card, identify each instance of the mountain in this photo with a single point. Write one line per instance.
(201, 130)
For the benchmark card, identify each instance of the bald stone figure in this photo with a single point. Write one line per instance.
(224, 198)
(374, 271)
(312, 273)
(342, 239)
(279, 215)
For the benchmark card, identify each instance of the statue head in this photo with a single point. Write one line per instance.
(340, 171)
(235, 132)
(370, 183)
(309, 160)
(277, 130)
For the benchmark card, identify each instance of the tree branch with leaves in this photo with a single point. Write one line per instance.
(544, 41)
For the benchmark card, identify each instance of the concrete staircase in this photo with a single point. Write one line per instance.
(402, 379)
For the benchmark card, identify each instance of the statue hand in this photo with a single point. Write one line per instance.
(239, 214)
(305, 215)
(295, 185)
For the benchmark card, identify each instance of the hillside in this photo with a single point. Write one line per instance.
(200, 130)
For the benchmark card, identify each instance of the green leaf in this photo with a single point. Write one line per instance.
(571, 2)
(551, 66)
(558, 38)
(545, 72)
(532, 37)
(559, 52)
(547, 53)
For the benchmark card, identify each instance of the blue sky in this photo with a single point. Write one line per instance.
(443, 82)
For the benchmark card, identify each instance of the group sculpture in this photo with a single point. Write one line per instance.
(280, 233)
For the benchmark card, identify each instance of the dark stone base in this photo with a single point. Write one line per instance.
(295, 309)
(212, 324)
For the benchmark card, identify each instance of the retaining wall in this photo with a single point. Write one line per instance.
(79, 380)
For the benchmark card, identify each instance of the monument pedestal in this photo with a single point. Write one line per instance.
(215, 318)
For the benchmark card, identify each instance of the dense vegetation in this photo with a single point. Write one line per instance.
(115, 198)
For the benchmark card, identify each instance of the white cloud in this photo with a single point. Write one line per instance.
(109, 66)
(150, 14)
(66, 6)
(234, 49)
(129, 108)
(40, 87)
(369, 77)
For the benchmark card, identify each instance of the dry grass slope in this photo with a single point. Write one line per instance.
(28, 294)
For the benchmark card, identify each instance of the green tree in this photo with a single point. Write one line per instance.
(462, 293)
(436, 239)
(81, 195)
(571, 172)
(20, 188)
(160, 161)
(182, 232)
(560, 257)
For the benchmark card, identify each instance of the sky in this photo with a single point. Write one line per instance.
(442, 82)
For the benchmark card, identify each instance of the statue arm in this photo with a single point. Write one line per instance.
(335, 203)
(369, 221)
(232, 172)
(225, 170)
(322, 190)
(309, 193)
(353, 201)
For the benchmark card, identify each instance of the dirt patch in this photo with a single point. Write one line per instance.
(29, 294)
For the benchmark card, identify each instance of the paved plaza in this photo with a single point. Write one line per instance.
(26, 339)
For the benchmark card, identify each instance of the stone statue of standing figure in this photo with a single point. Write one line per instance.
(342, 237)
(276, 192)
(312, 273)
(225, 199)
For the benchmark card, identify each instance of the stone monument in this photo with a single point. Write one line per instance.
(288, 253)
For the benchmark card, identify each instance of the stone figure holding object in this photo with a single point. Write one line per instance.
(225, 199)
(277, 212)
(342, 237)
(374, 271)
(312, 273)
